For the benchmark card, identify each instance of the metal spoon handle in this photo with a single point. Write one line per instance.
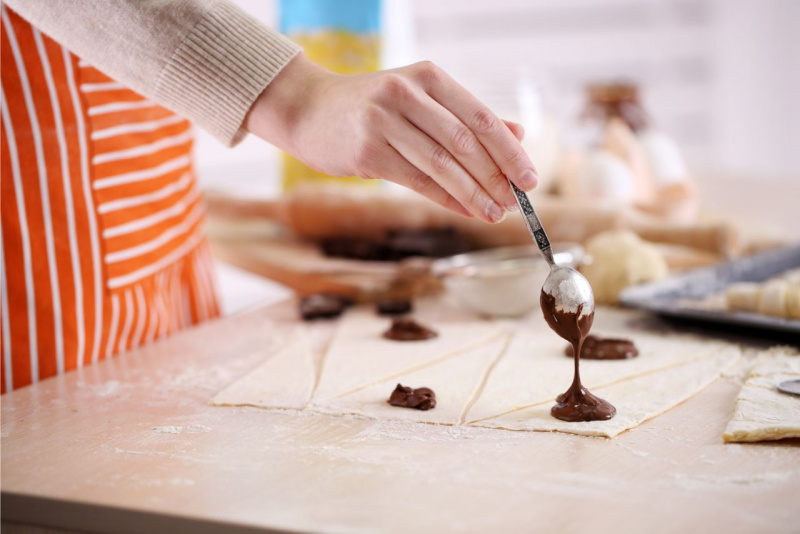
(534, 224)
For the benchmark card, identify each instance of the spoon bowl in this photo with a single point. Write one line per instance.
(570, 289)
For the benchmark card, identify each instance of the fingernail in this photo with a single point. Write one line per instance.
(495, 212)
(511, 206)
(528, 179)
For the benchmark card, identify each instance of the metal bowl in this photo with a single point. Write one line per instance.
(502, 282)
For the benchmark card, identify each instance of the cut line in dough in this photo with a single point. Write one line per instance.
(534, 368)
(286, 380)
(636, 399)
(359, 356)
(456, 381)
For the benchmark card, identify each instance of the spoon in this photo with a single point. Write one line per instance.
(569, 288)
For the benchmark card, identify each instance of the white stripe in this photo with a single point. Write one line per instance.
(126, 329)
(144, 149)
(147, 198)
(163, 320)
(201, 299)
(136, 127)
(7, 356)
(120, 106)
(27, 263)
(129, 278)
(162, 239)
(151, 328)
(141, 305)
(45, 194)
(176, 209)
(187, 303)
(174, 291)
(77, 279)
(211, 273)
(205, 281)
(90, 214)
(144, 174)
(103, 86)
(112, 328)
(202, 275)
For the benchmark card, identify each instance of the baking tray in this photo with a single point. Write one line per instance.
(683, 295)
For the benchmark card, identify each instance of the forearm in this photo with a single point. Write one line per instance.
(204, 59)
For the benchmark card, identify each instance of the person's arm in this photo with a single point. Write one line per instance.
(219, 67)
(414, 126)
(204, 59)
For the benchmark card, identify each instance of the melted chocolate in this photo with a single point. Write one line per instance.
(322, 306)
(605, 348)
(577, 403)
(393, 306)
(419, 399)
(403, 329)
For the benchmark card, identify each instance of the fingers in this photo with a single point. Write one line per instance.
(393, 167)
(444, 128)
(436, 161)
(497, 139)
(516, 129)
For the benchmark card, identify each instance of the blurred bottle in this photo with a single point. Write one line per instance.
(341, 35)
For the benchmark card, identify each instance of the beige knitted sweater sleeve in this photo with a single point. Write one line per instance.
(204, 59)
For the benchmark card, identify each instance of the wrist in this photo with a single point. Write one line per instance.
(278, 110)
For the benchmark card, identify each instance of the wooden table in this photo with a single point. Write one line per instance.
(131, 445)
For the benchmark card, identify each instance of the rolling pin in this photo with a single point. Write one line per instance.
(331, 211)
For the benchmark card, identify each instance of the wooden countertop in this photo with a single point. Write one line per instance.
(131, 445)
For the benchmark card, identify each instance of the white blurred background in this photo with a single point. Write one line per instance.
(721, 76)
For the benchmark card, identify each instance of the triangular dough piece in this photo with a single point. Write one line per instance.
(534, 369)
(636, 399)
(286, 380)
(359, 356)
(455, 381)
(762, 412)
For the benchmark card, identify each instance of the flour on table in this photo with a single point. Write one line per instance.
(762, 412)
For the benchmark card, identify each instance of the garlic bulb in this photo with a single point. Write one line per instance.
(605, 176)
(667, 165)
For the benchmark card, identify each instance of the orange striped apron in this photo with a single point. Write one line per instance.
(102, 243)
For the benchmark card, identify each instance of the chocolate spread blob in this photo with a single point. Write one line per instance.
(605, 348)
(577, 403)
(404, 329)
(419, 399)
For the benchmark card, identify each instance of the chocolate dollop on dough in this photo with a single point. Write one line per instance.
(404, 329)
(605, 348)
(393, 306)
(577, 403)
(419, 399)
(322, 306)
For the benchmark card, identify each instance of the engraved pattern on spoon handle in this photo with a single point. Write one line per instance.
(533, 223)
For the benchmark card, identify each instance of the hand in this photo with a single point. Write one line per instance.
(414, 126)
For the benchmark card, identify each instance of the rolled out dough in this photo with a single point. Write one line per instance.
(359, 356)
(456, 381)
(534, 368)
(762, 412)
(286, 380)
(499, 375)
(636, 399)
